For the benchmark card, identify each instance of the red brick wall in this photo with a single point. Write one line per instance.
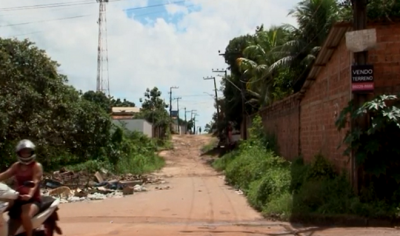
(386, 58)
(282, 120)
(332, 90)
(330, 93)
(321, 106)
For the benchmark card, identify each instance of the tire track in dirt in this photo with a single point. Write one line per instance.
(191, 207)
(224, 191)
(210, 201)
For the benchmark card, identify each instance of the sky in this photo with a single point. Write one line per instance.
(149, 42)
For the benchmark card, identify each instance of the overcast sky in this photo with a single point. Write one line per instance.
(150, 42)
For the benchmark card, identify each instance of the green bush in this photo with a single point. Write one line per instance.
(130, 152)
(281, 189)
(273, 184)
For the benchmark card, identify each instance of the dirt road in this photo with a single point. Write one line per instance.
(198, 203)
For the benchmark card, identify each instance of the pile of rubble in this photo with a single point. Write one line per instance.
(71, 186)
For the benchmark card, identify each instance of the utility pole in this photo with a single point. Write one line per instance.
(360, 58)
(216, 96)
(242, 91)
(177, 109)
(170, 99)
(194, 123)
(221, 71)
(185, 120)
(226, 76)
(192, 112)
(185, 114)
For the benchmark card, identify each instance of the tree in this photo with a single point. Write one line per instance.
(273, 63)
(152, 100)
(208, 128)
(154, 109)
(256, 63)
(123, 103)
(376, 10)
(36, 103)
(105, 102)
(98, 98)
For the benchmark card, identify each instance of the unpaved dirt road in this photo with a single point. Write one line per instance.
(198, 203)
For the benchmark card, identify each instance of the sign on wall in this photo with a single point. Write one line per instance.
(362, 78)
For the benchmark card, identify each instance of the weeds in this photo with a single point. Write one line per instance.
(131, 152)
(292, 190)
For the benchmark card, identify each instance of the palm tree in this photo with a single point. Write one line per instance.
(315, 18)
(256, 61)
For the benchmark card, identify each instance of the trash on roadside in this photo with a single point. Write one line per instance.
(82, 186)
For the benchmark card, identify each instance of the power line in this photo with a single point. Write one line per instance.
(43, 31)
(155, 5)
(52, 5)
(40, 21)
(86, 15)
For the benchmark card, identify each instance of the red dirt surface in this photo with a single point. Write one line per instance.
(198, 203)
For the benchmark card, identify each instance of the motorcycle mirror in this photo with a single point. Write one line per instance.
(29, 184)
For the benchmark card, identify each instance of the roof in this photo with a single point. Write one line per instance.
(125, 109)
(329, 47)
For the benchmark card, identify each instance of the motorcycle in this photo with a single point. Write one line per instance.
(44, 222)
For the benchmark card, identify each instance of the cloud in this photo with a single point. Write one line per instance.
(175, 9)
(149, 44)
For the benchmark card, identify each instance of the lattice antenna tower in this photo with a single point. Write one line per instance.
(103, 82)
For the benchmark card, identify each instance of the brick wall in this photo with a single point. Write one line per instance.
(315, 132)
(332, 90)
(282, 120)
(321, 106)
(386, 58)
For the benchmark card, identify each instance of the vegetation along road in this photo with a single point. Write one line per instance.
(197, 203)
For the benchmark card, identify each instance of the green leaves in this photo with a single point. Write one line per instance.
(36, 103)
(153, 109)
(376, 147)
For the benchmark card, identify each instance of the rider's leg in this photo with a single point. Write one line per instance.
(14, 222)
(28, 211)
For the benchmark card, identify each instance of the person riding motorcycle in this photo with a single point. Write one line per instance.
(25, 169)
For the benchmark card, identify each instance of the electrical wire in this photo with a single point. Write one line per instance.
(44, 31)
(86, 15)
(53, 5)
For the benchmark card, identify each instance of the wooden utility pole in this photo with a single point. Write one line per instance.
(216, 96)
(360, 58)
(226, 75)
(177, 110)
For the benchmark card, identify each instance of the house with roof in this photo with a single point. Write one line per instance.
(124, 112)
(125, 117)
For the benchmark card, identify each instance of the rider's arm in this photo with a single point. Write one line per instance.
(37, 177)
(8, 173)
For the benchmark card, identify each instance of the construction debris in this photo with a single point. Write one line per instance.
(71, 186)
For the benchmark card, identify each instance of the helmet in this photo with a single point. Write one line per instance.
(25, 144)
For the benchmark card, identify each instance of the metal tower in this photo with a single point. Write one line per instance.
(103, 83)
